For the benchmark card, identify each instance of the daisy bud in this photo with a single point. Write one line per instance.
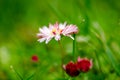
(71, 69)
(84, 64)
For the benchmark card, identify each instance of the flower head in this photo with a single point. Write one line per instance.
(71, 69)
(35, 58)
(84, 64)
(55, 31)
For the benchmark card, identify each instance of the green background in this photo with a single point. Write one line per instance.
(98, 38)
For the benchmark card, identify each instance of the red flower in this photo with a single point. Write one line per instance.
(71, 69)
(84, 64)
(35, 58)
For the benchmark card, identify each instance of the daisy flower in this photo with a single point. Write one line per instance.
(55, 31)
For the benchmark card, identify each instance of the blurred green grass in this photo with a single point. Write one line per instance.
(99, 26)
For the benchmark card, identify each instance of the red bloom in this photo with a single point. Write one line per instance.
(71, 69)
(84, 64)
(35, 58)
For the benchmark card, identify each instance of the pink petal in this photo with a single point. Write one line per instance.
(79, 59)
(64, 67)
(70, 29)
(91, 64)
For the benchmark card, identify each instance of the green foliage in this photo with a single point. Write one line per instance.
(98, 38)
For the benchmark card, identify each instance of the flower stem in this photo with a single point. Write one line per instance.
(73, 47)
(18, 74)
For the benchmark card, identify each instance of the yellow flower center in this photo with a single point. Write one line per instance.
(54, 31)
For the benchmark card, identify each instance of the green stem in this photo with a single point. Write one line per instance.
(21, 78)
(74, 47)
(97, 57)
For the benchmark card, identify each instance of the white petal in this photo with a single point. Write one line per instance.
(62, 26)
(44, 30)
(41, 40)
(39, 34)
(57, 37)
(70, 37)
(51, 26)
(48, 39)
